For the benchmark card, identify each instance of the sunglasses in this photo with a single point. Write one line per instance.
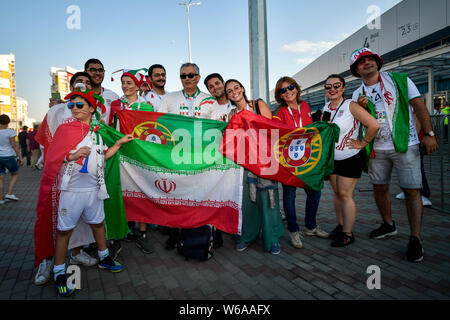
(99, 70)
(290, 88)
(190, 76)
(79, 105)
(336, 85)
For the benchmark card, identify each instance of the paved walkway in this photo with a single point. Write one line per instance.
(316, 272)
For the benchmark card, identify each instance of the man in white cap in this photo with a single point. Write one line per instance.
(391, 98)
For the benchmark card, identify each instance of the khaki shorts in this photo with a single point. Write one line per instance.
(406, 166)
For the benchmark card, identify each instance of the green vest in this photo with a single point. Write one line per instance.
(446, 111)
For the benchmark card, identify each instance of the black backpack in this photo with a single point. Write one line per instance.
(196, 243)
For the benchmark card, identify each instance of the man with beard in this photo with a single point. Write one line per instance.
(95, 69)
(157, 78)
(215, 85)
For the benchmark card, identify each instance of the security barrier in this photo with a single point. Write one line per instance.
(437, 165)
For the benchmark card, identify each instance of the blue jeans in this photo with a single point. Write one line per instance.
(312, 204)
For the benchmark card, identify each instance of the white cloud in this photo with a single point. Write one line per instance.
(305, 61)
(305, 46)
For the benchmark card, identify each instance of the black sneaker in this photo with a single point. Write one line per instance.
(334, 233)
(383, 231)
(115, 248)
(143, 243)
(131, 237)
(61, 286)
(415, 250)
(343, 239)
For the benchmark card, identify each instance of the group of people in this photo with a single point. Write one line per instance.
(377, 133)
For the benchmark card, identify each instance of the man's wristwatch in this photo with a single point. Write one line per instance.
(430, 134)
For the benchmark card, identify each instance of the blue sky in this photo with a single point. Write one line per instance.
(138, 33)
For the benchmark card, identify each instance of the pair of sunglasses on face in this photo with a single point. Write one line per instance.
(336, 86)
(290, 88)
(190, 76)
(72, 105)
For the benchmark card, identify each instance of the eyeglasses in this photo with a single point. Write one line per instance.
(336, 85)
(79, 105)
(99, 70)
(290, 88)
(190, 76)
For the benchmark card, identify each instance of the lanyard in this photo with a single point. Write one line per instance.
(337, 109)
(299, 117)
(190, 101)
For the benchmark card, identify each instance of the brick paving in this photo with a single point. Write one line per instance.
(316, 272)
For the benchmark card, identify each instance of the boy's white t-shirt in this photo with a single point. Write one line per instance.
(6, 149)
(85, 182)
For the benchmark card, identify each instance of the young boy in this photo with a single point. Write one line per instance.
(77, 146)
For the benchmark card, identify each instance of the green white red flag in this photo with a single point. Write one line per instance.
(180, 180)
(299, 157)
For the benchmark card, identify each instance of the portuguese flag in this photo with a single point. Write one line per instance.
(172, 174)
(298, 157)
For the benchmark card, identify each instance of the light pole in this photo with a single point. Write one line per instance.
(188, 5)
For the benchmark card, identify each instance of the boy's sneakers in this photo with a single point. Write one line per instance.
(415, 251)
(383, 231)
(84, 259)
(109, 264)
(343, 239)
(43, 272)
(61, 286)
(143, 243)
(11, 197)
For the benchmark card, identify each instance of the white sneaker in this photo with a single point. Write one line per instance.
(11, 197)
(316, 232)
(426, 202)
(400, 196)
(84, 259)
(43, 273)
(295, 239)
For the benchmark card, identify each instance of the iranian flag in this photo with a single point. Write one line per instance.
(172, 174)
(298, 157)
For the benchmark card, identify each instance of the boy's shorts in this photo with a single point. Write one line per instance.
(76, 205)
(406, 165)
(9, 163)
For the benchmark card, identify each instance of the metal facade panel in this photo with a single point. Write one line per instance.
(432, 16)
(388, 34)
(408, 22)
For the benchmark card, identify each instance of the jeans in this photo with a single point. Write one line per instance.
(312, 204)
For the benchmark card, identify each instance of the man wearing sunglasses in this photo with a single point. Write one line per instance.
(157, 77)
(190, 101)
(392, 97)
(96, 70)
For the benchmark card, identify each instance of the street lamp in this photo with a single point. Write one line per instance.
(188, 5)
